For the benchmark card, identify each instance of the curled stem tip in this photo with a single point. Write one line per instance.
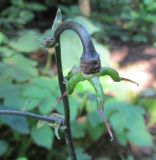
(106, 123)
(129, 80)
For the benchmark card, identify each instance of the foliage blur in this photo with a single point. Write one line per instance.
(28, 79)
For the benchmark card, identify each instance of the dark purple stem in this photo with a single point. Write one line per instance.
(32, 115)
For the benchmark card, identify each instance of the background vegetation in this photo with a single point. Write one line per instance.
(28, 80)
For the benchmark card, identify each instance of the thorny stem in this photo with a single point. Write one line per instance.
(32, 115)
(63, 89)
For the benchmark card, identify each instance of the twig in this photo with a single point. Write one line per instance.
(32, 115)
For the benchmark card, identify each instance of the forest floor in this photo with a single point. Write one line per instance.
(137, 62)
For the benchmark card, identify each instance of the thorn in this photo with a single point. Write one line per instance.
(59, 99)
(106, 123)
(129, 80)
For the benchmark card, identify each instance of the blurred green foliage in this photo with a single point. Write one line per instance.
(25, 84)
(126, 20)
(20, 12)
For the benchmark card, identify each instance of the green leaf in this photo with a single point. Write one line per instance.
(75, 106)
(94, 118)
(150, 106)
(78, 130)
(140, 38)
(90, 27)
(81, 155)
(122, 137)
(16, 101)
(127, 120)
(46, 104)
(18, 68)
(50, 84)
(6, 52)
(11, 94)
(17, 3)
(96, 132)
(20, 60)
(2, 38)
(6, 89)
(22, 158)
(25, 16)
(44, 91)
(35, 92)
(145, 139)
(36, 6)
(3, 147)
(43, 136)
(130, 157)
(27, 42)
(70, 11)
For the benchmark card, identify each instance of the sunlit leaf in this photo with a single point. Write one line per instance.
(128, 120)
(27, 42)
(22, 158)
(150, 105)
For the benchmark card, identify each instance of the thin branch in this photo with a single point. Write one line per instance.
(62, 86)
(32, 115)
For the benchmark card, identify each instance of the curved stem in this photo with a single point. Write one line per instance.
(88, 47)
(62, 86)
(32, 115)
(90, 59)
